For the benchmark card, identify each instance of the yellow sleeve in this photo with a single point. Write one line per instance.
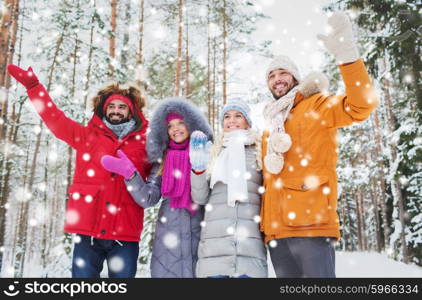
(354, 106)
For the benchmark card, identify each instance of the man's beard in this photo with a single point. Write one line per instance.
(276, 97)
(116, 122)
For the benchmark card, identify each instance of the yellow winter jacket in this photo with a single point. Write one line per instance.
(301, 200)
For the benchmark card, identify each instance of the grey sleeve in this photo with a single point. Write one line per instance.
(145, 194)
(200, 188)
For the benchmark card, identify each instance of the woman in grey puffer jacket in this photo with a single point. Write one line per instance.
(231, 244)
(177, 232)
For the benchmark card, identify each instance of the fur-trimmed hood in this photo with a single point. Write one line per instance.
(314, 82)
(158, 139)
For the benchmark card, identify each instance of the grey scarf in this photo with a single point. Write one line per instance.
(121, 130)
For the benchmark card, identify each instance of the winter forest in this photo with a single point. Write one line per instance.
(206, 51)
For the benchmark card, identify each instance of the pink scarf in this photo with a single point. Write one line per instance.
(176, 176)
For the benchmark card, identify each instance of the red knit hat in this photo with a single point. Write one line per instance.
(118, 97)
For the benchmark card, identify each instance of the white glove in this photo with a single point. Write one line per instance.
(340, 41)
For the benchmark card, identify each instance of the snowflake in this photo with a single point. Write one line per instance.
(208, 207)
(247, 175)
(37, 129)
(177, 174)
(312, 182)
(291, 215)
(242, 232)
(273, 243)
(230, 230)
(116, 264)
(171, 240)
(278, 184)
(72, 217)
(408, 78)
(80, 262)
(304, 162)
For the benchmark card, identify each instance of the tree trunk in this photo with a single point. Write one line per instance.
(112, 45)
(395, 184)
(359, 219)
(125, 48)
(209, 64)
(12, 136)
(179, 50)
(139, 80)
(225, 40)
(380, 163)
(36, 150)
(88, 72)
(8, 30)
(187, 85)
(214, 83)
(5, 25)
(375, 201)
(139, 53)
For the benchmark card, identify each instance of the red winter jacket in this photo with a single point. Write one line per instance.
(98, 204)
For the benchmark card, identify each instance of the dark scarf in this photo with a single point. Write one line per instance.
(121, 130)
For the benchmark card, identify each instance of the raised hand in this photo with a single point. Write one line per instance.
(340, 41)
(199, 150)
(26, 77)
(121, 165)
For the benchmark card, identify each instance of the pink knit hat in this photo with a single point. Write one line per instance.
(173, 116)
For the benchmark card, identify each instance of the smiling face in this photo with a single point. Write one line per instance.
(177, 130)
(280, 82)
(117, 112)
(234, 120)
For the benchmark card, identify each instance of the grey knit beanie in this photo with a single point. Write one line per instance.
(285, 63)
(237, 104)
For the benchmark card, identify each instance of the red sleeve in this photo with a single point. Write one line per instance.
(61, 126)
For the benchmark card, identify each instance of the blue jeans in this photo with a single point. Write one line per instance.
(89, 255)
(296, 257)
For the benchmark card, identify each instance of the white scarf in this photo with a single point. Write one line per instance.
(230, 165)
(276, 113)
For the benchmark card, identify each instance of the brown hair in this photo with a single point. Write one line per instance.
(133, 93)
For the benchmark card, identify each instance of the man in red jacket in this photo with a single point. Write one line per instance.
(100, 211)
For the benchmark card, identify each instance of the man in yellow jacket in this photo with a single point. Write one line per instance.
(299, 217)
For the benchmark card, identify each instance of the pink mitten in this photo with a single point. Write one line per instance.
(27, 78)
(122, 165)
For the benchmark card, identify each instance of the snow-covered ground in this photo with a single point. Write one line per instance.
(369, 264)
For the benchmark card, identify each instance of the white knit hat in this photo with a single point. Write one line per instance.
(285, 63)
(239, 105)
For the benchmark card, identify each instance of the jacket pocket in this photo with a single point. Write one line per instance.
(82, 206)
(304, 206)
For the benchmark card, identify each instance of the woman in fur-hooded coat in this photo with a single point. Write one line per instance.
(177, 232)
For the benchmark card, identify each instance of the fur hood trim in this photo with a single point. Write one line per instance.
(158, 139)
(314, 82)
